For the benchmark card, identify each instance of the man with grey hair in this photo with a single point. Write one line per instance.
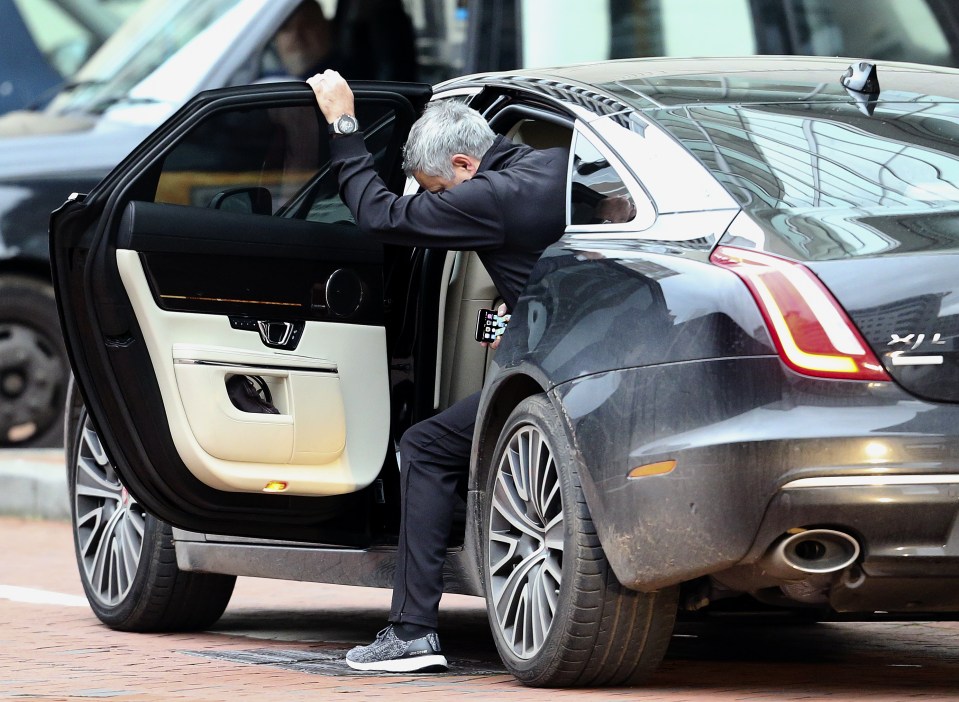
(482, 193)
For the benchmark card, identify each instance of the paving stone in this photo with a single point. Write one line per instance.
(284, 641)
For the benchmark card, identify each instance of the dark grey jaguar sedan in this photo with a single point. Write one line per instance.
(733, 382)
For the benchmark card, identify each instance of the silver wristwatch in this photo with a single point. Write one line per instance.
(344, 124)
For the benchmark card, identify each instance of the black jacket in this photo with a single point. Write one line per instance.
(508, 212)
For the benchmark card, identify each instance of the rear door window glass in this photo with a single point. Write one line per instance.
(282, 149)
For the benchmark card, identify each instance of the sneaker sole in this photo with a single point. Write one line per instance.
(403, 665)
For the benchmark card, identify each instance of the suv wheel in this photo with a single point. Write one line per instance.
(126, 557)
(33, 364)
(558, 614)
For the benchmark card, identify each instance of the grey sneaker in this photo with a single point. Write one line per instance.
(390, 654)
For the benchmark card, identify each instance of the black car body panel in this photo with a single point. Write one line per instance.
(904, 307)
(38, 173)
(754, 429)
(614, 305)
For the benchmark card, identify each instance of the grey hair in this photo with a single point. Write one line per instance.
(447, 127)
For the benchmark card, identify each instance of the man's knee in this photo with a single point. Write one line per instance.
(413, 441)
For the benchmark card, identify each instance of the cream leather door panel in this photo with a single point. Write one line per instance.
(332, 381)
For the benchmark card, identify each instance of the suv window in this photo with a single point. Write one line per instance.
(160, 30)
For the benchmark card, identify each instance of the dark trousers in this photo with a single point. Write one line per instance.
(434, 458)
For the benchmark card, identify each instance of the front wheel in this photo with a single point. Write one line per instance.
(126, 557)
(559, 616)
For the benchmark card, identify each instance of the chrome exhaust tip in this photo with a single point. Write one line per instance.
(811, 552)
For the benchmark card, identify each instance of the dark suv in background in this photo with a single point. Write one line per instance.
(172, 49)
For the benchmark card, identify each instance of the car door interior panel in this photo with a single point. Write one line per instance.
(210, 296)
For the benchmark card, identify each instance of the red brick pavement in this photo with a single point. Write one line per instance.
(54, 652)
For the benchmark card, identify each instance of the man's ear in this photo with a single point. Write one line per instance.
(462, 161)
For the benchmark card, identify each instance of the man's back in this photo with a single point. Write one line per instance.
(509, 211)
(529, 191)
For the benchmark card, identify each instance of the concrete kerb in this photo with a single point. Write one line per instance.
(34, 484)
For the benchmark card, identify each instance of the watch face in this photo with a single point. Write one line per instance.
(346, 124)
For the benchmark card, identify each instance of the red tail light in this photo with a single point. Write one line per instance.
(812, 333)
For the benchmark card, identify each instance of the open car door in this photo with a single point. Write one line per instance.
(220, 248)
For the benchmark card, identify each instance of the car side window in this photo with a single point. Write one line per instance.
(276, 149)
(269, 160)
(598, 194)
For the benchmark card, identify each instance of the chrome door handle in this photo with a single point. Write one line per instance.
(280, 335)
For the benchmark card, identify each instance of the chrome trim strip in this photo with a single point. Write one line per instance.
(898, 360)
(199, 298)
(872, 481)
(256, 366)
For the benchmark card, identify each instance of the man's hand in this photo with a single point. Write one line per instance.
(501, 311)
(333, 95)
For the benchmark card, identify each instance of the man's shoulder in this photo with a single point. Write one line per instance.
(525, 151)
(541, 164)
(511, 155)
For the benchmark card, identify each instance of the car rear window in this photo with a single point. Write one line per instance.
(826, 155)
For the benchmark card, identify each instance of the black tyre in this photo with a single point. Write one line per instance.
(559, 616)
(126, 557)
(33, 364)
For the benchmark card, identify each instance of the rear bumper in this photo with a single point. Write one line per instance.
(907, 529)
(758, 452)
(906, 524)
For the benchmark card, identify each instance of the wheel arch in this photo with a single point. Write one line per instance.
(495, 409)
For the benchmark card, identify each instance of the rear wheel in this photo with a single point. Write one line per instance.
(126, 557)
(558, 614)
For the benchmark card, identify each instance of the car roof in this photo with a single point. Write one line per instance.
(736, 80)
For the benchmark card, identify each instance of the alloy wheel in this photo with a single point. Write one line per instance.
(526, 533)
(109, 523)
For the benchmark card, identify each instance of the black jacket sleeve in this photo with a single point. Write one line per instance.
(466, 217)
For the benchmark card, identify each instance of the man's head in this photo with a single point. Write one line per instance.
(304, 40)
(446, 145)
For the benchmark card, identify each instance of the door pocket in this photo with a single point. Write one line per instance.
(309, 429)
